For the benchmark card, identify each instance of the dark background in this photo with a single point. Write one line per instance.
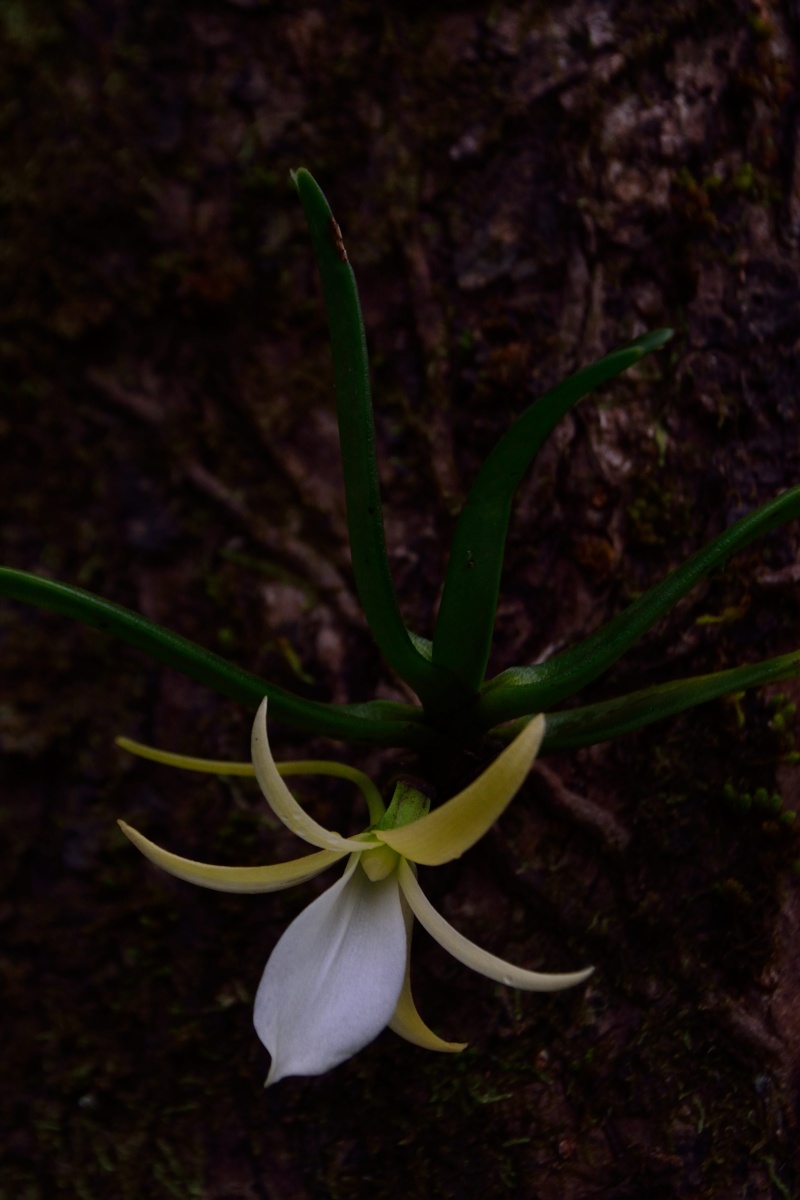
(521, 188)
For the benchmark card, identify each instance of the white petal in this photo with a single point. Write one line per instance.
(335, 977)
(470, 954)
(281, 800)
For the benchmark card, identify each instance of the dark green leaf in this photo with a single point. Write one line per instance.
(357, 438)
(600, 722)
(534, 689)
(377, 723)
(464, 626)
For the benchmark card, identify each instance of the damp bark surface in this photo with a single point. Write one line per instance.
(521, 188)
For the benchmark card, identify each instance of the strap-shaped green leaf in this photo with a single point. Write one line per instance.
(522, 690)
(377, 723)
(357, 438)
(600, 722)
(463, 635)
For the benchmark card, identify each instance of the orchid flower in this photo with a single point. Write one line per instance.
(340, 973)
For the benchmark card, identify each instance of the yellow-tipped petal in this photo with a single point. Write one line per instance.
(185, 762)
(281, 800)
(470, 954)
(216, 766)
(408, 1024)
(448, 831)
(233, 879)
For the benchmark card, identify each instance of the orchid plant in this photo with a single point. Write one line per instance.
(340, 972)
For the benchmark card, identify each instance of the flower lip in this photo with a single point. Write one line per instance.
(338, 970)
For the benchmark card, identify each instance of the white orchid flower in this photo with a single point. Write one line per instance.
(340, 973)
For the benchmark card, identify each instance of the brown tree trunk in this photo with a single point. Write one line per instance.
(521, 188)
